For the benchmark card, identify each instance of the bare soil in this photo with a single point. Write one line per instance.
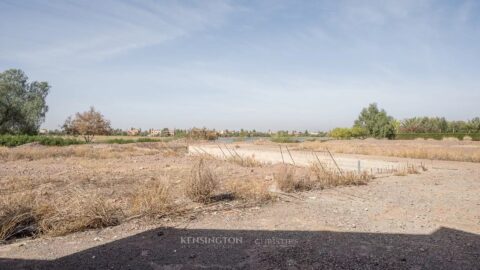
(429, 220)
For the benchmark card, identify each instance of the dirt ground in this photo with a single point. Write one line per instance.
(429, 220)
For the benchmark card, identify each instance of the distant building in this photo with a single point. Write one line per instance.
(167, 132)
(43, 131)
(154, 132)
(133, 132)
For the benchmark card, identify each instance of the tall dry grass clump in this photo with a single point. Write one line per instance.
(250, 190)
(201, 184)
(409, 169)
(151, 200)
(245, 161)
(325, 177)
(18, 216)
(287, 181)
(79, 211)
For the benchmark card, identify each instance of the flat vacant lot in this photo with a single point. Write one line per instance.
(113, 206)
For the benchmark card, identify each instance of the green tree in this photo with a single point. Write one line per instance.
(376, 122)
(347, 133)
(474, 125)
(22, 104)
(341, 133)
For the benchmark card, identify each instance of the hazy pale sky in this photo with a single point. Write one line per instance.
(247, 64)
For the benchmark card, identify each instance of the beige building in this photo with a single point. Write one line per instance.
(133, 132)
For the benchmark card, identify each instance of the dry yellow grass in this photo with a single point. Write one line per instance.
(81, 211)
(27, 213)
(152, 199)
(422, 149)
(245, 161)
(317, 176)
(81, 151)
(60, 190)
(251, 190)
(202, 183)
(325, 177)
(288, 181)
(18, 216)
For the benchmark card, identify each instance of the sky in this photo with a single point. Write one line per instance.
(279, 65)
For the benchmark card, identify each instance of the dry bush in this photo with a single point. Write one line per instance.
(201, 184)
(18, 216)
(151, 199)
(326, 177)
(79, 212)
(450, 139)
(288, 182)
(245, 161)
(251, 190)
(409, 169)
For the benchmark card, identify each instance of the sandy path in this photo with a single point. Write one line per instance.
(272, 154)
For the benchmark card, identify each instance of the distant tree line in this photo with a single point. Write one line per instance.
(376, 123)
(438, 125)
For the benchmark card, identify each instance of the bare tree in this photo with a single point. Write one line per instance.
(87, 124)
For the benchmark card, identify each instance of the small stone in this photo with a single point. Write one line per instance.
(97, 239)
(354, 226)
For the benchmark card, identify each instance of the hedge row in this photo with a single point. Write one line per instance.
(140, 140)
(284, 140)
(16, 140)
(437, 136)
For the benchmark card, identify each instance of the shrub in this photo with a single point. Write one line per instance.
(120, 141)
(341, 133)
(148, 140)
(326, 177)
(287, 182)
(347, 133)
(251, 190)
(245, 161)
(201, 184)
(126, 141)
